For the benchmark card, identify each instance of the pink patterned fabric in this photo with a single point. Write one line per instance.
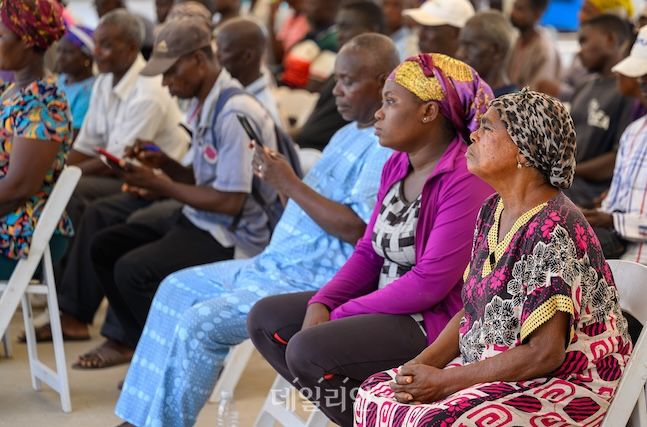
(554, 255)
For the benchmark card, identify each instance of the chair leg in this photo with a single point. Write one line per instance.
(57, 333)
(30, 337)
(317, 419)
(233, 368)
(6, 345)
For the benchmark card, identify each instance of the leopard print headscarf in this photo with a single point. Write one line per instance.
(542, 129)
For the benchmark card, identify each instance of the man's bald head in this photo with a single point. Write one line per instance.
(379, 53)
(241, 44)
(361, 68)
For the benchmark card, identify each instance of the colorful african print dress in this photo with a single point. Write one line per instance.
(549, 261)
(38, 112)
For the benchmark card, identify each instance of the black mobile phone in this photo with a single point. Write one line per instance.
(247, 127)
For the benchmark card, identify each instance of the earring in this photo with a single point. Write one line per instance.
(518, 165)
(425, 119)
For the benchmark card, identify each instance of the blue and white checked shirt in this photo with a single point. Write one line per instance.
(627, 197)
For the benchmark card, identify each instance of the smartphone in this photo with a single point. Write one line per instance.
(111, 160)
(247, 127)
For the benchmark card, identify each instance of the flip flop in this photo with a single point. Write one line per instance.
(106, 355)
(44, 334)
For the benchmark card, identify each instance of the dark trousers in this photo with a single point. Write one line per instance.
(131, 260)
(330, 361)
(79, 292)
(89, 189)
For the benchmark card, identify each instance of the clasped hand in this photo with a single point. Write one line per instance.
(417, 383)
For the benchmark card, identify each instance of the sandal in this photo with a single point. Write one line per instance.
(109, 353)
(44, 334)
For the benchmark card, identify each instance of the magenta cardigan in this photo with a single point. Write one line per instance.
(451, 199)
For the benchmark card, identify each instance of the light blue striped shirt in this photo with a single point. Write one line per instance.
(627, 197)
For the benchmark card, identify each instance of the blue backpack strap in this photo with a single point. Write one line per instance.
(225, 96)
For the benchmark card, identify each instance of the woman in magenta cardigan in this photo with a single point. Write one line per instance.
(403, 282)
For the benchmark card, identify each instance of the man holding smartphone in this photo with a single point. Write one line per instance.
(215, 215)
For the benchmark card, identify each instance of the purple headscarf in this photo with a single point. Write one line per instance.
(462, 95)
(80, 37)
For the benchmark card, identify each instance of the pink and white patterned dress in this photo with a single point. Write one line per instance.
(550, 261)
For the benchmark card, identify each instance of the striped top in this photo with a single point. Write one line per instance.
(627, 197)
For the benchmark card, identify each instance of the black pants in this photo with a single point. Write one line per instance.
(79, 292)
(89, 189)
(330, 361)
(131, 260)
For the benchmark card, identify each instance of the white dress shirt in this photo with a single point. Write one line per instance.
(137, 107)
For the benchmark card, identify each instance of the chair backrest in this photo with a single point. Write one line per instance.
(631, 281)
(54, 208)
(295, 104)
(47, 222)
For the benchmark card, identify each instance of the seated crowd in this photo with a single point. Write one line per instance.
(443, 261)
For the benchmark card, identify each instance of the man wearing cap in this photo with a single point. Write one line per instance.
(170, 380)
(216, 216)
(623, 210)
(440, 22)
(124, 107)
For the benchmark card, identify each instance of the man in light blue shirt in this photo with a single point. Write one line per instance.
(199, 313)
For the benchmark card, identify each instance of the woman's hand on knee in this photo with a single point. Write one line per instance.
(316, 314)
(418, 383)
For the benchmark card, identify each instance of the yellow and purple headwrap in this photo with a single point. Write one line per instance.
(461, 94)
(38, 23)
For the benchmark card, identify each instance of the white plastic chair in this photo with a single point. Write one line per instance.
(629, 406)
(308, 157)
(295, 105)
(21, 284)
(232, 370)
(280, 404)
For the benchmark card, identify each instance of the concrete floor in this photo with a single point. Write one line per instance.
(94, 393)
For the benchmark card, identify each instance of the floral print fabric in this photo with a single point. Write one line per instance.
(38, 112)
(552, 263)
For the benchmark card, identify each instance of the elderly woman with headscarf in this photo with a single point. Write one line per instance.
(541, 339)
(402, 283)
(35, 131)
(74, 61)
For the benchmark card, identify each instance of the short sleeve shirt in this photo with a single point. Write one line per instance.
(600, 114)
(222, 159)
(137, 107)
(78, 96)
(38, 112)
